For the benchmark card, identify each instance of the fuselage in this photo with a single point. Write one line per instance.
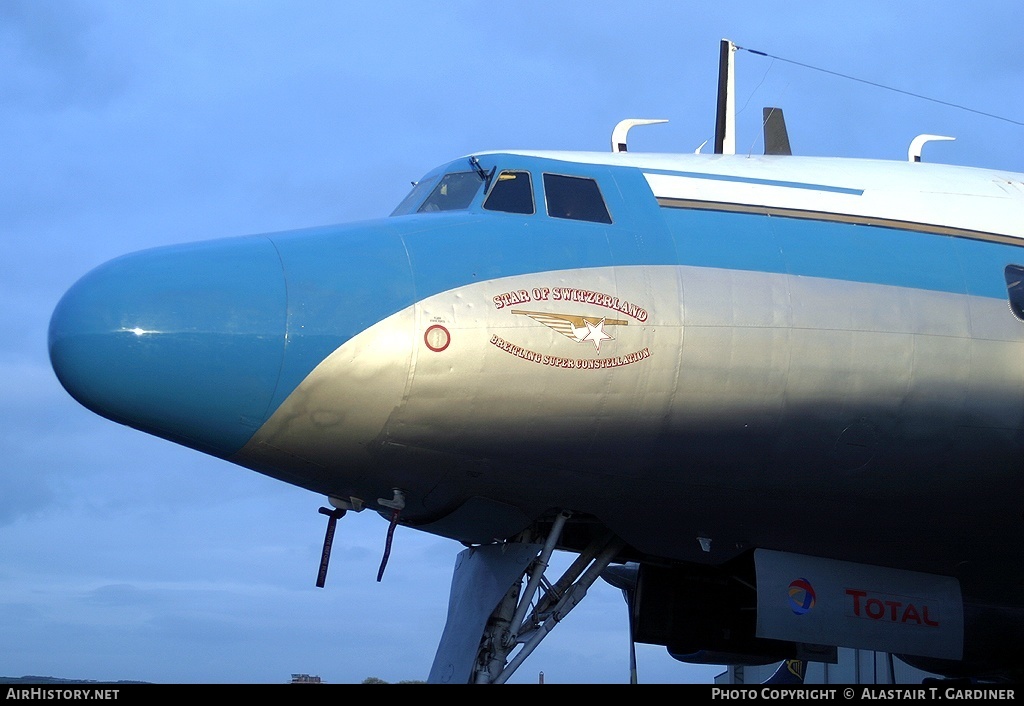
(716, 353)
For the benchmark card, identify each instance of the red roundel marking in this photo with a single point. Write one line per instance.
(437, 338)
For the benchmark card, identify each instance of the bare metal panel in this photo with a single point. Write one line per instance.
(692, 392)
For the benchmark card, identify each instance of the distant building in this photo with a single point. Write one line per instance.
(855, 666)
(306, 679)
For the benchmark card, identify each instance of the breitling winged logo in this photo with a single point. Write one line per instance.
(579, 328)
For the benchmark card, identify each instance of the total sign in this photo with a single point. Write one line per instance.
(818, 601)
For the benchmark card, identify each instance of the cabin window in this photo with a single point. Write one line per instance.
(1015, 289)
(573, 197)
(511, 193)
(454, 192)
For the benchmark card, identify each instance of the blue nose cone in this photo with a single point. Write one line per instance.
(184, 342)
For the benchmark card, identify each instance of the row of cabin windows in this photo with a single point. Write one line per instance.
(576, 198)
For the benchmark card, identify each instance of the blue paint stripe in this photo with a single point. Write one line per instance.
(841, 251)
(760, 182)
(344, 279)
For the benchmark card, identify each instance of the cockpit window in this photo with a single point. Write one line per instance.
(420, 189)
(576, 198)
(511, 193)
(454, 192)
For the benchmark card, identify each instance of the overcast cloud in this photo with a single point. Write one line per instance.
(133, 125)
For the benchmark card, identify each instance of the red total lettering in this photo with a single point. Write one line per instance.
(891, 610)
(894, 605)
(874, 608)
(857, 595)
(910, 614)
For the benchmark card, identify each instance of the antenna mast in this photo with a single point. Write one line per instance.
(725, 122)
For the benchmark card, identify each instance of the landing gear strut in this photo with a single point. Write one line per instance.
(494, 622)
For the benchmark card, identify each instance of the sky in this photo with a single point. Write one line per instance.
(129, 125)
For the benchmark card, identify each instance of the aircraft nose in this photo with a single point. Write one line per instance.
(184, 342)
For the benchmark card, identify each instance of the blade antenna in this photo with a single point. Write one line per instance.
(397, 504)
(776, 138)
(333, 515)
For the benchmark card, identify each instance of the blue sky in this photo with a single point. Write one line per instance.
(133, 125)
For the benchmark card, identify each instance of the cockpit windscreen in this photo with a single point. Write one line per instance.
(454, 192)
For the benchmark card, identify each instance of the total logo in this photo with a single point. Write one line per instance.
(801, 596)
(884, 607)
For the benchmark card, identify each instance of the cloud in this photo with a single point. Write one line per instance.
(52, 59)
